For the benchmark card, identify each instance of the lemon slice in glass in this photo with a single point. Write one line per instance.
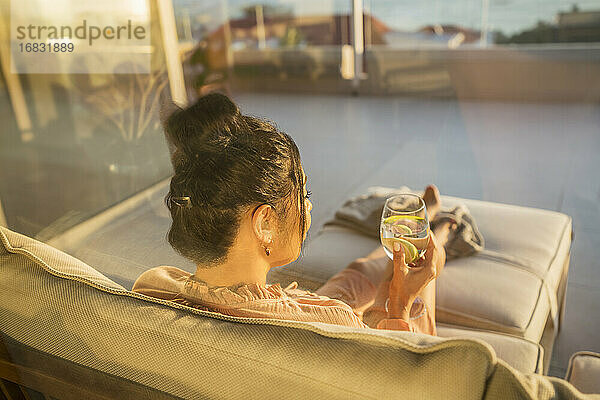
(410, 250)
(400, 229)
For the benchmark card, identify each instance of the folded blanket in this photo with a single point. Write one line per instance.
(363, 214)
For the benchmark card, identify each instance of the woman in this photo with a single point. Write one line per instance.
(240, 207)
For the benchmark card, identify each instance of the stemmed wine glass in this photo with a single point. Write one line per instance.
(404, 220)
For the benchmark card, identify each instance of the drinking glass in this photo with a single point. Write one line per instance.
(404, 220)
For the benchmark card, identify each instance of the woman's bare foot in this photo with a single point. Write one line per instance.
(432, 200)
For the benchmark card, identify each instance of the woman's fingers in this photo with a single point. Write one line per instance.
(435, 256)
(431, 245)
(408, 282)
(399, 257)
(425, 268)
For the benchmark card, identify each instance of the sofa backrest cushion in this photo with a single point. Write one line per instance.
(584, 371)
(50, 259)
(61, 306)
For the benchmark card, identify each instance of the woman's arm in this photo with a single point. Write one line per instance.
(403, 287)
(377, 317)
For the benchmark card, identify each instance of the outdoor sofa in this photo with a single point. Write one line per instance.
(71, 327)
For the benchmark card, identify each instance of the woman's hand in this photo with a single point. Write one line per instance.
(407, 282)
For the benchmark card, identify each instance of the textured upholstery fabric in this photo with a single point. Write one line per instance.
(510, 287)
(198, 354)
(584, 372)
(519, 353)
(56, 262)
(532, 386)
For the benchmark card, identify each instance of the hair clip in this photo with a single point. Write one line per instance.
(182, 201)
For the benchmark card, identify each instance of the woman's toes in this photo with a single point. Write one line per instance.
(432, 200)
(432, 195)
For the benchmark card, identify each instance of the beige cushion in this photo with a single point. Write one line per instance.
(519, 353)
(69, 311)
(510, 287)
(584, 372)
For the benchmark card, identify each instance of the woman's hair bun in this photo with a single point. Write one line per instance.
(208, 120)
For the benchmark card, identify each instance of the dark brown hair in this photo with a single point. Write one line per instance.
(226, 163)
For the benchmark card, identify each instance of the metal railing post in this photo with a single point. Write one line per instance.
(357, 42)
(166, 15)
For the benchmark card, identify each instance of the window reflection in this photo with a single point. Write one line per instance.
(74, 144)
(486, 22)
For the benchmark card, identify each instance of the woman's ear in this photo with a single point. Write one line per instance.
(264, 223)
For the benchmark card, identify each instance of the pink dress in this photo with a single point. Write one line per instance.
(341, 300)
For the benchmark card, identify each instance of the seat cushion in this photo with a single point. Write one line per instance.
(510, 287)
(521, 354)
(86, 319)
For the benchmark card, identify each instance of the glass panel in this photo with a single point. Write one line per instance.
(272, 45)
(73, 145)
(530, 50)
(424, 24)
(442, 24)
(543, 22)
